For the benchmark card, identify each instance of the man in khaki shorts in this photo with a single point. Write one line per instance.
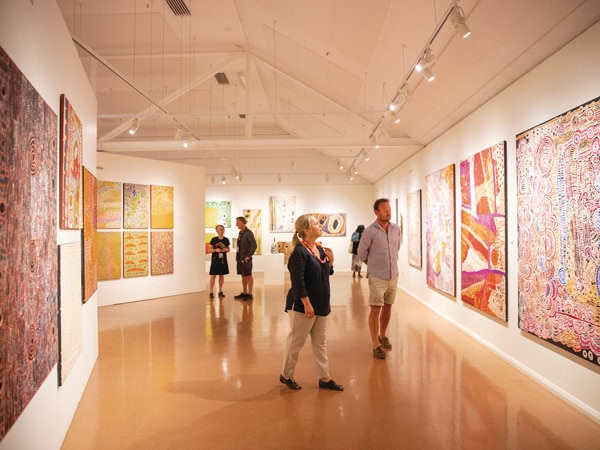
(378, 248)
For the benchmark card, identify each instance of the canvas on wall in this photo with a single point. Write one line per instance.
(136, 205)
(71, 154)
(413, 226)
(28, 254)
(90, 271)
(161, 207)
(162, 258)
(558, 219)
(282, 214)
(333, 225)
(483, 230)
(254, 223)
(109, 255)
(135, 254)
(439, 230)
(110, 204)
(71, 315)
(217, 212)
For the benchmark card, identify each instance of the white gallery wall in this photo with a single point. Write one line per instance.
(564, 81)
(188, 190)
(37, 40)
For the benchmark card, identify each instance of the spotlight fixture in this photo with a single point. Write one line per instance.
(340, 165)
(458, 20)
(425, 63)
(186, 144)
(179, 132)
(374, 141)
(427, 74)
(134, 126)
(240, 177)
(223, 180)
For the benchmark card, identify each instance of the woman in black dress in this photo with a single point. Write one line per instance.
(218, 264)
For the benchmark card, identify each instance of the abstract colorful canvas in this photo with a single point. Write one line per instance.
(135, 254)
(161, 252)
(254, 223)
(71, 317)
(282, 214)
(413, 225)
(286, 248)
(109, 255)
(439, 230)
(110, 204)
(161, 206)
(136, 205)
(217, 213)
(90, 258)
(28, 251)
(71, 151)
(483, 230)
(333, 225)
(558, 218)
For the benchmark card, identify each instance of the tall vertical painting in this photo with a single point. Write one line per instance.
(439, 230)
(135, 254)
(28, 255)
(110, 204)
(413, 227)
(483, 230)
(282, 212)
(333, 225)
(217, 212)
(161, 206)
(71, 154)
(558, 218)
(161, 249)
(90, 271)
(71, 317)
(254, 223)
(109, 255)
(136, 205)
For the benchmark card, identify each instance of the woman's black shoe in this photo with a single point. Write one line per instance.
(330, 385)
(291, 384)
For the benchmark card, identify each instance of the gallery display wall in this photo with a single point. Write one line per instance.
(51, 67)
(563, 82)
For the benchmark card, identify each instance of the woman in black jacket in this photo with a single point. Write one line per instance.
(307, 301)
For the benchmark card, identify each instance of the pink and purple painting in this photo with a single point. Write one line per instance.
(136, 205)
(333, 225)
(71, 151)
(558, 218)
(483, 230)
(162, 258)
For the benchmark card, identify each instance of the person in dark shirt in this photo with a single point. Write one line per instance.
(307, 302)
(218, 263)
(356, 262)
(246, 246)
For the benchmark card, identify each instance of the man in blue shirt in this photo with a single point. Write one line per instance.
(378, 248)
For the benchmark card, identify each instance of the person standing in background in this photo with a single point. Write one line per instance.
(378, 248)
(218, 263)
(246, 246)
(356, 261)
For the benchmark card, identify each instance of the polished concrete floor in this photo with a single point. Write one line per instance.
(187, 372)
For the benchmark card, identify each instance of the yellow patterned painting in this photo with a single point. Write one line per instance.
(162, 252)
(109, 255)
(110, 206)
(161, 206)
(253, 216)
(135, 254)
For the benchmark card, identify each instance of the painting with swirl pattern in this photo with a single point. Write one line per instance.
(558, 218)
(28, 251)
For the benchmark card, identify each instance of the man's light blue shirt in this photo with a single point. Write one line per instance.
(380, 250)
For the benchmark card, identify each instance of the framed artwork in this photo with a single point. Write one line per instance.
(286, 248)
(71, 315)
(109, 255)
(136, 205)
(161, 248)
(558, 219)
(334, 225)
(71, 151)
(439, 230)
(483, 230)
(217, 212)
(282, 214)
(254, 223)
(207, 238)
(161, 206)
(90, 258)
(413, 226)
(110, 204)
(28, 250)
(135, 254)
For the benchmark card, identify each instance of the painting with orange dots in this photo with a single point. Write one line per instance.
(483, 230)
(90, 271)
(108, 245)
(558, 219)
(71, 153)
(136, 254)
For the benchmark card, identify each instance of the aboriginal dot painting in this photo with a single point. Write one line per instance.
(90, 250)
(332, 225)
(28, 252)
(136, 254)
(136, 205)
(71, 151)
(558, 217)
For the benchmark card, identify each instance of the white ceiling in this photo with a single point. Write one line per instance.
(312, 77)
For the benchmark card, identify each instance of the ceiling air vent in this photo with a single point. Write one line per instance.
(178, 7)
(221, 78)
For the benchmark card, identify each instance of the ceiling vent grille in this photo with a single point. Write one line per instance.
(221, 78)
(179, 7)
